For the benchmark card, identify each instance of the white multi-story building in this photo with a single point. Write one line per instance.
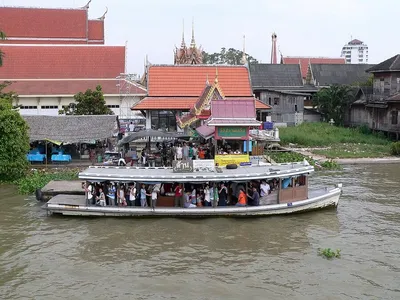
(355, 52)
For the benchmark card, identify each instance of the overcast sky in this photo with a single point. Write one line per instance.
(304, 27)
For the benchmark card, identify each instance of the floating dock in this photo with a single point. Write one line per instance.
(56, 187)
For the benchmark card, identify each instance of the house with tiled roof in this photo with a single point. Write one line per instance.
(52, 54)
(380, 111)
(281, 87)
(304, 62)
(179, 95)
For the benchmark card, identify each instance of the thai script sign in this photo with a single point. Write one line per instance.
(232, 132)
(223, 160)
(182, 166)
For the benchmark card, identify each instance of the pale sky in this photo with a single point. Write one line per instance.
(304, 27)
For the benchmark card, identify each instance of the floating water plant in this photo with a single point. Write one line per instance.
(329, 253)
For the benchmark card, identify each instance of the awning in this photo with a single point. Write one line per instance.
(205, 131)
(145, 134)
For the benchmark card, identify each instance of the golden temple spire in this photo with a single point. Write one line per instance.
(193, 42)
(183, 44)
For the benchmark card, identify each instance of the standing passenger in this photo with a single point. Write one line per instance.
(132, 194)
(207, 197)
(143, 201)
(178, 194)
(223, 195)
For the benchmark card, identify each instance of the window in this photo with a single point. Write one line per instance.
(276, 101)
(269, 101)
(295, 108)
(28, 107)
(394, 115)
(398, 85)
(49, 107)
(162, 119)
(113, 106)
(382, 85)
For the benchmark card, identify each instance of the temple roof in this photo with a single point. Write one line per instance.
(189, 80)
(62, 61)
(24, 22)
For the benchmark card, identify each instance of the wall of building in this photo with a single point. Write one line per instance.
(359, 116)
(51, 105)
(286, 108)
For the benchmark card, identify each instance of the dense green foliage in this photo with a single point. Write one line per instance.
(14, 139)
(329, 253)
(287, 157)
(323, 134)
(230, 57)
(395, 148)
(37, 179)
(334, 102)
(88, 103)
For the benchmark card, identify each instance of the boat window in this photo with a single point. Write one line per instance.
(300, 180)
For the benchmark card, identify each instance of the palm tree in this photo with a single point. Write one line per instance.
(2, 37)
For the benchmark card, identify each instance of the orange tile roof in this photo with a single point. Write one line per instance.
(24, 22)
(305, 61)
(165, 103)
(177, 103)
(189, 80)
(61, 61)
(96, 30)
(67, 87)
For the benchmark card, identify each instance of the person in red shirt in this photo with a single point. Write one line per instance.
(178, 195)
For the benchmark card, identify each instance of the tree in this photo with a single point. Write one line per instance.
(230, 57)
(333, 102)
(2, 37)
(88, 103)
(14, 139)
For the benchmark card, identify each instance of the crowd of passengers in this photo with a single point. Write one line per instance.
(186, 195)
(184, 151)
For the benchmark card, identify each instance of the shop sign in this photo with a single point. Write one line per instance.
(232, 132)
(203, 165)
(223, 160)
(182, 166)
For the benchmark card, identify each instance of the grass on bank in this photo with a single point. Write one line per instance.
(342, 142)
(37, 179)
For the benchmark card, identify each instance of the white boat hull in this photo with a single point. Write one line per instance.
(320, 200)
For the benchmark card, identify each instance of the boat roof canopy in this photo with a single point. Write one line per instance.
(156, 175)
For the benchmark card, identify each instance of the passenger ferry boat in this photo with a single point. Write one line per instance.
(292, 193)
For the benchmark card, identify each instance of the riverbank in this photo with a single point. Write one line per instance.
(322, 142)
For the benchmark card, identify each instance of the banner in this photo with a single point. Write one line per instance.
(203, 165)
(223, 160)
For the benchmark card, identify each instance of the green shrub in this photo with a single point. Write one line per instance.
(395, 148)
(37, 179)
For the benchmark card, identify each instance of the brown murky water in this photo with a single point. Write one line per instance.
(267, 258)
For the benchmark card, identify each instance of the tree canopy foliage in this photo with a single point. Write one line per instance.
(14, 139)
(90, 102)
(334, 102)
(229, 56)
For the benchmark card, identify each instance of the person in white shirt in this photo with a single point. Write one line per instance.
(179, 152)
(132, 194)
(89, 193)
(207, 197)
(154, 196)
(131, 127)
(101, 198)
(264, 189)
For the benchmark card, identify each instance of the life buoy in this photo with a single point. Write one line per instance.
(39, 195)
(231, 166)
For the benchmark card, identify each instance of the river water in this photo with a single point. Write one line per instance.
(52, 257)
